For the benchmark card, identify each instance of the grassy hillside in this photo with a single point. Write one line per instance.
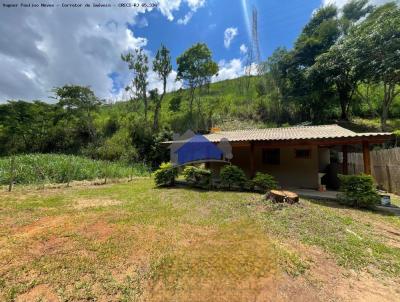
(227, 104)
(239, 104)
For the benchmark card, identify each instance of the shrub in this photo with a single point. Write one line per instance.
(358, 191)
(264, 182)
(165, 175)
(197, 177)
(232, 177)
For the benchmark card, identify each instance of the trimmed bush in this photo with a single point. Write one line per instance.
(165, 175)
(197, 177)
(263, 182)
(358, 191)
(232, 177)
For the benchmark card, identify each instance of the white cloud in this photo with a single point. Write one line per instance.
(243, 49)
(229, 34)
(229, 70)
(54, 47)
(195, 4)
(167, 7)
(154, 82)
(233, 69)
(185, 20)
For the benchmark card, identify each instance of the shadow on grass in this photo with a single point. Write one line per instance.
(378, 210)
(182, 185)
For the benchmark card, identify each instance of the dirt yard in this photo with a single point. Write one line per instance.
(132, 242)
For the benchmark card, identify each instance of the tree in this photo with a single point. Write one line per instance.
(25, 126)
(162, 66)
(79, 103)
(318, 36)
(352, 12)
(335, 65)
(312, 95)
(138, 62)
(195, 68)
(374, 46)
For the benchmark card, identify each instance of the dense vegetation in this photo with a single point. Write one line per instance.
(53, 168)
(345, 65)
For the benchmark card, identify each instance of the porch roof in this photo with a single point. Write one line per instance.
(296, 133)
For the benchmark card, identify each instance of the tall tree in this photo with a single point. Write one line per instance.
(25, 126)
(162, 66)
(375, 45)
(320, 33)
(353, 11)
(195, 68)
(312, 94)
(138, 63)
(335, 65)
(79, 103)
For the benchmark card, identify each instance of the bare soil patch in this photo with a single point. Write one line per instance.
(42, 292)
(330, 282)
(84, 203)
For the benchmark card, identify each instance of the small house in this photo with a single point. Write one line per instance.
(298, 157)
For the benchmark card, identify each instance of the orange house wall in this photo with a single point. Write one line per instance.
(292, 172)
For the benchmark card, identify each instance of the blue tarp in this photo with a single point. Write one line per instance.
(198, 148)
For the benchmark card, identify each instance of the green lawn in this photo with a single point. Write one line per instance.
(133, 242)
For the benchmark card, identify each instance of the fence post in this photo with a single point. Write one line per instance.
(12, 173)
(389, 179)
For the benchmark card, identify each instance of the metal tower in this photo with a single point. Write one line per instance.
(253, 55)
(254, 35)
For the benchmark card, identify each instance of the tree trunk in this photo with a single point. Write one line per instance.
(282, 196)
(12, 173)
(158, 106)
(145, 107)
(388, 97)
(384, 117)
(156, 114)
(344, 103)
(191, 105)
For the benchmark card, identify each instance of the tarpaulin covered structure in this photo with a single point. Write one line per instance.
(198, 148)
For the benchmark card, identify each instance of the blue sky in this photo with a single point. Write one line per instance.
(280, 22)
(82, 46)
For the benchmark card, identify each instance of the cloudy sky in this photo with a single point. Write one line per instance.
(42, 48)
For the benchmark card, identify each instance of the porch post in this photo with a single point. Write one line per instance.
(366, 158)
(345, 168)
(252, 167)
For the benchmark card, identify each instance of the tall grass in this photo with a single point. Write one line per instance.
(55, 168)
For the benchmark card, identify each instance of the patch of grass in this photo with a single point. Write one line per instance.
(342, 232)
(375, 123)
(171, 240)
(171, 243)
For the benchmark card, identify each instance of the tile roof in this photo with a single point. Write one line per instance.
(290, 133)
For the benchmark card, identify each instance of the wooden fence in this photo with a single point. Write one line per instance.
(385, 165)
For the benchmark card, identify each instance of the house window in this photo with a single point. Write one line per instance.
(303, 153)
(271, 156)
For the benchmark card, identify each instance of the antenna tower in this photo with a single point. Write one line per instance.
(253, 56)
